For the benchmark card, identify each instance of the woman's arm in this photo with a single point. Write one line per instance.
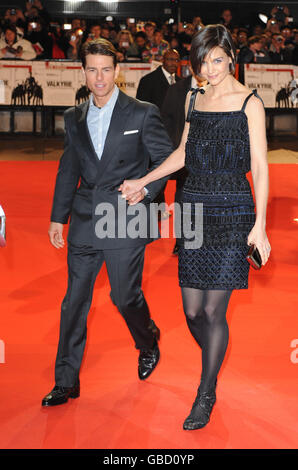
(259, 169)
(174, 162)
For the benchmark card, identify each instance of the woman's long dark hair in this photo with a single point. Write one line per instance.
(213, 35)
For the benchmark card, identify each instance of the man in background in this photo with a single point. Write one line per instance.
(153, 88)
(173, 117)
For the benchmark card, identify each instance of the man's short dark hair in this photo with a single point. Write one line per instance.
(141, 34)
(98, 46)
(242, 30)
(150, 23)
(286, 26)
(10, 27)
(254, 39)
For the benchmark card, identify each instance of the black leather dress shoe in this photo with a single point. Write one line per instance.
(149, 358)
(61, 395)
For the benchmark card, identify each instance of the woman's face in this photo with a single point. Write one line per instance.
(215, 66)
(10, 36)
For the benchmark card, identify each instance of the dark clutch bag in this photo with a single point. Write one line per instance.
(254, 257)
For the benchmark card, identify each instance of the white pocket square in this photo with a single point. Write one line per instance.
(131, 132)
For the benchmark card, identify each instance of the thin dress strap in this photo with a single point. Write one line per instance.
(193, 100)
(254, 93)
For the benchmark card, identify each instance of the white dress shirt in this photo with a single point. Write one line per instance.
(170, 77)
(98, 121)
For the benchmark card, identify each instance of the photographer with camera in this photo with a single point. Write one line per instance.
(37, 34)
(253, 52)
(15, 16)
(35, 9)
(13, 46)
(282, 15)
(278, 52)
(75, 44)
(125, 44)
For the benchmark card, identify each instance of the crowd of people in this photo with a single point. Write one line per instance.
(34, 35)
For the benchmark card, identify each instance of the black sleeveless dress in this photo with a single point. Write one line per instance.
(217, 160)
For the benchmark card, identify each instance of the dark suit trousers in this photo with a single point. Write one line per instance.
(125, 268)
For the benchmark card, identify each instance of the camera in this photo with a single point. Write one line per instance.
(11, 49)
(280, 15)
(13, 11)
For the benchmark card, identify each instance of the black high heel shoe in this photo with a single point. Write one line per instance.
(201, 410)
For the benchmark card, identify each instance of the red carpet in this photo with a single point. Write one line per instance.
(257, 405)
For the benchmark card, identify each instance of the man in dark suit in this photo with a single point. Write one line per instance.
(154, 85)
(173, 109)
(153, 88)
(108, 139)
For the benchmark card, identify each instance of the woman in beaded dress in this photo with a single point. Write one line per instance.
(223, 139)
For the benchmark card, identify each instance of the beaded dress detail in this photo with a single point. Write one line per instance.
(217, 160)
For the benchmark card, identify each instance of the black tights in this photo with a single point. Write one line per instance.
(205, 312)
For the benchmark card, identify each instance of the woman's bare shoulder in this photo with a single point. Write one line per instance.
(242, 91)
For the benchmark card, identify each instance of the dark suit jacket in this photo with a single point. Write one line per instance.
(173, 118)
(173, 109)
(153, 87)
(125, 156)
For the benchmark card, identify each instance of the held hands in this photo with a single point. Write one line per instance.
(258, 237)
(56, 234)
(132, 190)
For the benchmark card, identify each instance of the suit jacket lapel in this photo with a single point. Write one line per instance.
(81, 117)
(115, 133)
(162, 80)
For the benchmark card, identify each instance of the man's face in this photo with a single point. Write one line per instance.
(286, 33)
(76, 23)
(33, 12)
(258, 46)
(227, 16)
(105, 33)
(100, 74)
(242, 38)
(149, 31)
(140, 41)
(278, 40)
(157, 37)
(96, 30)
(171, 61)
